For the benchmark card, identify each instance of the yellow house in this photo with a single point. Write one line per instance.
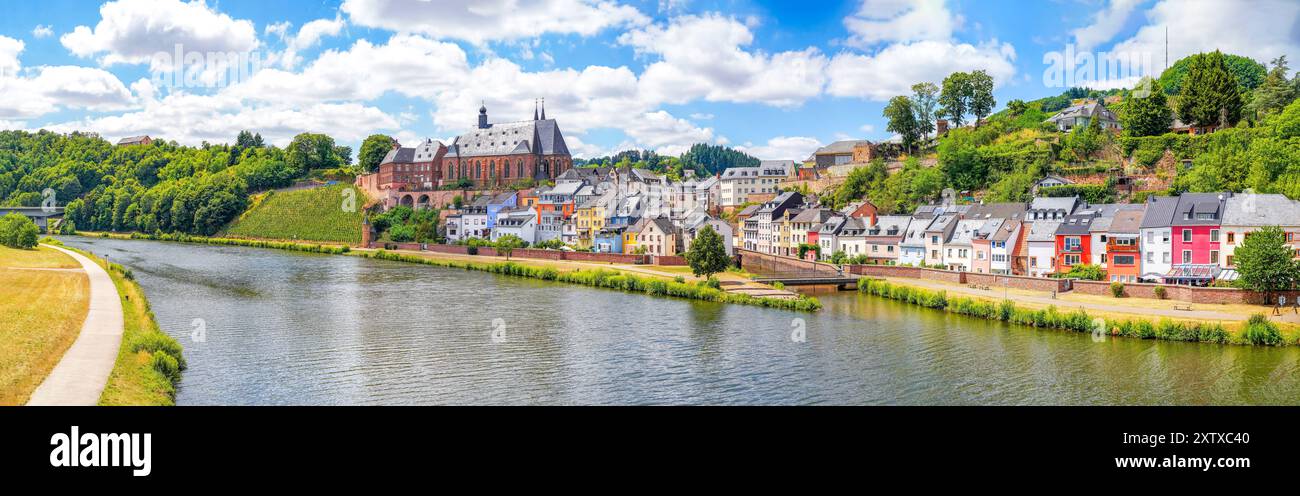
(588, 219)
(630, 234)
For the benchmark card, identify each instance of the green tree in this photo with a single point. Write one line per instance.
(17, 231)
(707, 254)
(1210, 94)
(954, 99)
(1248, 73)
(981, 95)
(1265, 263)
(902, 120)
(925, 102)
(1149, 116)
(312, 151)
(507, 244)
(1277, 91)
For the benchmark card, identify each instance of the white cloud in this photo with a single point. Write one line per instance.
(890, 21)
(893, 70)
(701, 116)
(191, 119)
(867, 128)
(1106, 23)
(480, 21)
(704, 57)
(1261, 30)
(42, 31)
(783, 148)
(134, 31)
(55, 87)
(309, 36)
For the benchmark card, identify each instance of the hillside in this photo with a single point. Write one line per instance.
(315, 214)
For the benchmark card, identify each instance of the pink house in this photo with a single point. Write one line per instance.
(1196, 236)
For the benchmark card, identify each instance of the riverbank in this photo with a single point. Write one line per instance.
(729, 288)
(44, 295)
(1256, 330)
(149, 362)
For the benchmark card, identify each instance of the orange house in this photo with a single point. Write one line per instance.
(1123, 247)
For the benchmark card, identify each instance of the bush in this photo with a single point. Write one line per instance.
(1262, 332)
(1117, 289)
(17, 231)
(1160, 292)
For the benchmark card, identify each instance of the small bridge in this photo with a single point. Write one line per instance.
(792, 271)
(39, 215)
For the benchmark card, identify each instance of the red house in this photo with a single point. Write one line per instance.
(1196, 237)
(1073, 242)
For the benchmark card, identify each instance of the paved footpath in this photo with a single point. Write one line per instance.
(82, 373)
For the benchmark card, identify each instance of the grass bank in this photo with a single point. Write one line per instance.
(601, 278)
(1257, 331)
(314, 214)
(44, 297)
(149, 362)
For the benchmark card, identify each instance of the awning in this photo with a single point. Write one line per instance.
(1193, 272)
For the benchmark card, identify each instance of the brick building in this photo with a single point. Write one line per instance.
(501, 154)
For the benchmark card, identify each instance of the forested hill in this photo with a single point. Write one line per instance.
(703, 158)
(160, 187)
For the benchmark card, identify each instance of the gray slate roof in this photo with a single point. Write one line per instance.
(510, 138)
(1160, 212)
(1261, 210)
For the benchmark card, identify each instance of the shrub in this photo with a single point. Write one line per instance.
(1117, 289)
(1260, 331)
(17, 231)
(1160, 292)
(778, 285)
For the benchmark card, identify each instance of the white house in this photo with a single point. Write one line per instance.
(1041, 244)
(521, 222)
(1155, 237)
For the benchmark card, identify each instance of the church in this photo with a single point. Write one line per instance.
(501, 154)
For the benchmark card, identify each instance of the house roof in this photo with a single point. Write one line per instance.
(915, 232)
(750, 210)
(889, 225)
(132, 140)
(1075, 225)
(1127, 222)
(1055, 203)
(1193, 205)
(965, 231)
(1160, 212)
(1043, 230)
(510, 138)
(942, 222)
(1005, 230)
(1086, 109)
(840, 147)
(996, 211)
(812, 215)
(1261, 210)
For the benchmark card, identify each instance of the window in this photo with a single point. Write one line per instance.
(1164, 257)
(1124, 260)
(1230, 264)
(1231, 237)
(1071, 260)
(1151, 257)
(1214, 235)
(1072, 244)
(1164, 236)
(1187, 235)
(1187, 256)
(1214, 256)
(1151, 236)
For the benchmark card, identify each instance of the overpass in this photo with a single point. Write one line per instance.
(40, 215)
(792, 271)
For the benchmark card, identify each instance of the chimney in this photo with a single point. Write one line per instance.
(396, 145)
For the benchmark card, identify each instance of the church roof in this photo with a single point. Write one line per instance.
(511, 138)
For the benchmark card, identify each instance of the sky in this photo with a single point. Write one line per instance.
(776, 79)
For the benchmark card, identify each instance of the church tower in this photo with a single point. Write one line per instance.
(482, 117)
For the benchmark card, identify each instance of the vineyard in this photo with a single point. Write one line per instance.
(317, 214)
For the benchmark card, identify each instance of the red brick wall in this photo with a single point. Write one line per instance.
(908, 272)
(583, 256)
(763, 262)
(1186, 293)
(1017, 282)
(670, 260)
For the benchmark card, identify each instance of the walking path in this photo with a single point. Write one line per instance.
(80, 376)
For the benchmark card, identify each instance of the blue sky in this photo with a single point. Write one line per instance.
(777, 78)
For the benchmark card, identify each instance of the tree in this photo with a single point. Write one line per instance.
(312, 151)
(1210, 95)
(981, 101)
(17, 231)
(902, 120)
(507, 244)
(1277, 91)
(373, 150)
(1248, 73)
(1264, 262)
(1148, 116)
(1017, 107)
(925, 102)
(955, 97)
(708, 254)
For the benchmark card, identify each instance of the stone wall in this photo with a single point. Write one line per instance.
(1189, 294)
(670, 260)
(765, 263)
(907, 272)
(1018, 282)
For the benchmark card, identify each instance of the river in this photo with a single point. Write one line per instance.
(282, 327)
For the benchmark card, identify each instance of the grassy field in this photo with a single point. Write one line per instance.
(315, 214)
(41, 312)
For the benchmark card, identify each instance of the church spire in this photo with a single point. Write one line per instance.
(534, 109)
(543, 108)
